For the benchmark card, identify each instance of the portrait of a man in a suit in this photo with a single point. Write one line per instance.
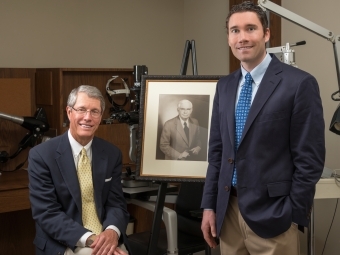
(181, 137)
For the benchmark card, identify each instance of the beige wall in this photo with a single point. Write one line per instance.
(87, 33)
(113, 33)
(123, 33)
(204, 21)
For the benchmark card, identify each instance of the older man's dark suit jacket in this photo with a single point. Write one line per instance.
(281, 153)
(55, 193)
(173, 140)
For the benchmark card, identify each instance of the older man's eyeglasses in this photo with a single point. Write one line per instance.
(83, 112)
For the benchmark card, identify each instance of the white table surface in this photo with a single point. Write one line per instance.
(327, 188)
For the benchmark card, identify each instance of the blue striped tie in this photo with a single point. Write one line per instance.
(241, 114)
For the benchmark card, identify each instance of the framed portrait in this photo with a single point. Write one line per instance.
(174, 127)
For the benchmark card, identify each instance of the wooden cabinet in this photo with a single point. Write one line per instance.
(17, 226)
(17, 99)
(16, 223)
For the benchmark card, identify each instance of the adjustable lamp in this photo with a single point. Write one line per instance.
(315, 28)
(36, 125)
(335, 123)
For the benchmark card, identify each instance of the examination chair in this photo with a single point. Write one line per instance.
(182, 234)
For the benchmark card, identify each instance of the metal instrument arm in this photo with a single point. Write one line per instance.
(311, 26)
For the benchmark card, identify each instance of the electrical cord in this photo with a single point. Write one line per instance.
(330, 227)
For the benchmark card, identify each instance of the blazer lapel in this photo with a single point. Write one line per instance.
(99, 168)
(231, 91)
(180, 130)
(67, 168)
(192, 131)
(268, 84)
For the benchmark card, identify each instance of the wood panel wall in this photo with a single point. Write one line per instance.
(16, 98)
(16, 223)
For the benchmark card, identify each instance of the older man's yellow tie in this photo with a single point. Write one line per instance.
(89, 214)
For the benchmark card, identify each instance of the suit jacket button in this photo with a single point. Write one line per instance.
(226, 188)
(230, 161)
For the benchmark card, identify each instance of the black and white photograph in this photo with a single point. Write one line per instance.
(183, 127)
(174, 127)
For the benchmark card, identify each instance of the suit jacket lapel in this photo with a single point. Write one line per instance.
(192, 132)
(99, 168)
(180, 130)
(67, 168)
(268, 84)
(230, 104)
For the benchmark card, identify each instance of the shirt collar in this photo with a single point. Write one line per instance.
(182, 121)
(258, 72)
(77, 147)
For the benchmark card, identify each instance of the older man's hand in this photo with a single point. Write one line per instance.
(119, 251)
(106, 244)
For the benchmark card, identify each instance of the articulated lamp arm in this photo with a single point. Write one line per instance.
(315, 28)
(36, 125)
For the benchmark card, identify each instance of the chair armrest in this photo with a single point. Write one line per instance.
(169, 219)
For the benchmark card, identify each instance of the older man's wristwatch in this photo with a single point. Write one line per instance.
(89, 241)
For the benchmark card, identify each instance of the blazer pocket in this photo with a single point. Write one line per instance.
(109, 179)
(279, 189)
